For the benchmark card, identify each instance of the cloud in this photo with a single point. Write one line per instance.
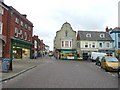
(49, 15)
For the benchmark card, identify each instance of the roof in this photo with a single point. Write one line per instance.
(94, 36)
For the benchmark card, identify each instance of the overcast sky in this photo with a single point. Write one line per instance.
(48, 16)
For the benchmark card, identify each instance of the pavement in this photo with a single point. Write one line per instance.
(19, 66)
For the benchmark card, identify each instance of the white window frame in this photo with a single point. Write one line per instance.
(16, 32)
(102, 35)
(25, 35)
(1, 27)
(21, 35)
(21, 23)
(88, 35)
(1, 11)
(17, 20)
(107, 44)
(101, 46)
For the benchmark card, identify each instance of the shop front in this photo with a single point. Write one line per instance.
(68, 54)
(20, 49)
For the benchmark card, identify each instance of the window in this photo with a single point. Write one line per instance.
(21, 35)
(86, 45)
(88, 35)
(78, 45)
(21, 23)
(1, 10)
(93, 45)
(102, 35)
(89, 45)
(35, 44)
(100, 45)
(25, 26)
(62, 43)
(66, 43)
(107, 44)
(17, 20)
(25, 36)
(119, 35)
(16, 32)
(118, 44)
(1, 24)
(29, 28)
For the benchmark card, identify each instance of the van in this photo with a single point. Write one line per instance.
(94, 55)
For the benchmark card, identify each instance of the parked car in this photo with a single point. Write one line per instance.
(118, 72)
(98, 60)
(109, 63)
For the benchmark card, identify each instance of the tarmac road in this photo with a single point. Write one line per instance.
(64, 74)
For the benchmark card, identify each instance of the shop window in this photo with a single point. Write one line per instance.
(1, 24)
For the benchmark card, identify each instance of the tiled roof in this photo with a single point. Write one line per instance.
(95, 36)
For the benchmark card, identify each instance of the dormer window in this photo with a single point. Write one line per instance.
(88, 35)
(102, 35)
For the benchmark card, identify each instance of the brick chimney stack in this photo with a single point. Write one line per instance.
(107, 30)
(24, 15)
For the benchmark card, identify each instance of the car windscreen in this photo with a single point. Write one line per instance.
(112, 59)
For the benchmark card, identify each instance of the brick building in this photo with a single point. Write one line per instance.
(19, 32)
(4, 13)
(39, 48)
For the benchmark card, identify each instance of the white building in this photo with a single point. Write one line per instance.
(94, 41)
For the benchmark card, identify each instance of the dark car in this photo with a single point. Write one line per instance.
(98, 60)
(118, 72)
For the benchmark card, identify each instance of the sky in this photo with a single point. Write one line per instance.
(48, 16)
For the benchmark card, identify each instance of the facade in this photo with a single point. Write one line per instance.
(115, 34)
(93, 41)
(4, 13)
(18, 32)
(65, 42)
(36, 46)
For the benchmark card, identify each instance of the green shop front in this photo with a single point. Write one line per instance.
(66, 54)
(20, 49)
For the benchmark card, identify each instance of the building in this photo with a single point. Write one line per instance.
(4, 13)
(65, 42)
(18, 31)
(94, 41)
(115, 34)
(36, 46)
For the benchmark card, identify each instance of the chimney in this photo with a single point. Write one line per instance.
(107, 30)
(24, 15)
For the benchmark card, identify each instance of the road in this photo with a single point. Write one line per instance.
(64, 74)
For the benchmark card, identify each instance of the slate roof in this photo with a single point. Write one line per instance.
(95, 36)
